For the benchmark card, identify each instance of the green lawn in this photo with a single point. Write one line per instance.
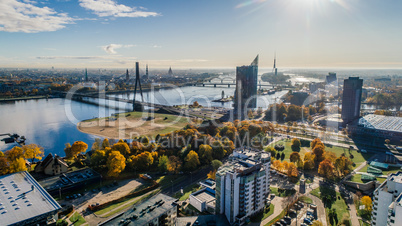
(306, 199)
(338, 203)
(282, 192)
(77, 219)
(187, 191)
(261, 216)
(358, 158)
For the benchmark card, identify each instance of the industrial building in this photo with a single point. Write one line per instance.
(376, 128)
(387, 202)
(245, 96)
(351, 100)
(158, 210)
(24, 202)
(242, 184)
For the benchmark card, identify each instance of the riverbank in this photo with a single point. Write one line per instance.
(24, 98)
(131, 124)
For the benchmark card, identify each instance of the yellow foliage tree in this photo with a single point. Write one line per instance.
(116, 163)
(33, 151)
(122, 147)
(326, 168)
(309, 158)
(366, 200)
(76, 148)
(212, 174)
(191, 160)
(292, 170)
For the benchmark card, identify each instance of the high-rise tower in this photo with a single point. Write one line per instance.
(86, 75)
(146, 73)
(351, 100)
(127, 76)
(274, 69)
(246, 88)
(170, 72)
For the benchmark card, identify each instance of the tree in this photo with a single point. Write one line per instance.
(387, 141)
(4, 166)
(216, 164)
(78, 147)
(191, 161)
(96, 145)
(145, 160)
(228, 145)
(122, 147)
(367, 202)
(295, 145)
(315, 142)
(212, 174)
(98, 158)
(318, 151)
(309, 159)
(279, 147)
(116, 163)
(105, 143)
(14, 154)
(270, 150)
(61, 222)
(174, 164)
(205, 153)
(295, 157)
(163, 163)
(326, 168)
(330, 156)
(33, 151)
(292, 170)
(218, 150)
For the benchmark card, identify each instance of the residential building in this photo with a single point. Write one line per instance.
(157, 210)
(245, 96)
(25, 202)
(52, 165)
(351, 100)
(387, 202)
(331, 77)
(242, 184)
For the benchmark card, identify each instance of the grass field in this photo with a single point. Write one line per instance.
(127, 125)
(358, 158)
(77, 219)
(338, 204)
(282, 192)
(305, 199)
(187, 191)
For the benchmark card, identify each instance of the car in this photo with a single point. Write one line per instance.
(283, 222)
(79, 195)
(287, 219)
(307, 221)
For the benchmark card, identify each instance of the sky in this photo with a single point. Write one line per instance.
(200, 34)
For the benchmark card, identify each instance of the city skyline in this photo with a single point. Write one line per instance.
(207, 34)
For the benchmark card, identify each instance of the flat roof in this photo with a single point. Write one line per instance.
(381, 122)
(158, 210)
(68, 178)
(204, 195)
(22, 198)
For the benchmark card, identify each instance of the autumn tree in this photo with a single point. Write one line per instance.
(292, 170)
(76, 148)
(163, 163)
(122, 147)
(191, 161)
(216, 164)
(318, 151)
(116, 163)
(4, 166)
(295, 145)
(97, 145)
(309, 159)
(330, 156)
(326, 168)
(205, 153)
(270, 150)
(367, 202)
(174, 164)
(295, 157)
(212, 174)
(105, 143)
(145, 160)
(33, 151)
(218, 150)
(343, 165)
(98, 158)
(315, 142)
(228, 145)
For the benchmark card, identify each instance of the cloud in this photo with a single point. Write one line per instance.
(111, 48)
(16, 16)
(104, 8)
(107, 57)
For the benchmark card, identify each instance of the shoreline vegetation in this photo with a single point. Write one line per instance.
(130, 124)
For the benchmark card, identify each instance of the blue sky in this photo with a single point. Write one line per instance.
(201, 34)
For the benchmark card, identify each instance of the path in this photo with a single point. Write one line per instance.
(277, 202)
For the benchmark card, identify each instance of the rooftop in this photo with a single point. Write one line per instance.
(148, 210)
(22, 198)
(69, 178)
(204, 195)
(381, 122)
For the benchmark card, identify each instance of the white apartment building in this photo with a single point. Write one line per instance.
(242, 184)
(387, 202)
